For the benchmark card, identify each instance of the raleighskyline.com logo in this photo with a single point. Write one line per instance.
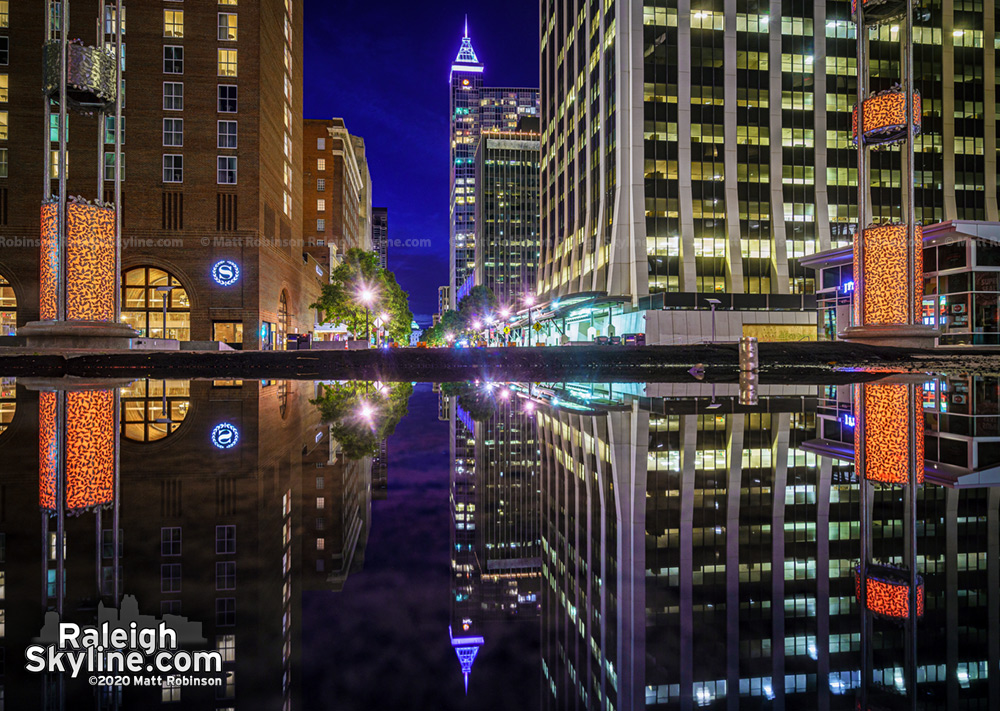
(125, 644)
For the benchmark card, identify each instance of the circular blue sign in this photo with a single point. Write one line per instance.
(226, 272)
(225, 436)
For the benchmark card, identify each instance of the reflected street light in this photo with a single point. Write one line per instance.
(713, 303)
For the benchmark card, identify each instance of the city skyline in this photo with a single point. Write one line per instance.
(407, 151)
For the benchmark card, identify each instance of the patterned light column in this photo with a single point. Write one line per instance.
(80, 302)
(888, 257)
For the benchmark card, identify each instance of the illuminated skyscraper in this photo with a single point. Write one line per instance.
(507, 213)
(697, 150)
(474, 108)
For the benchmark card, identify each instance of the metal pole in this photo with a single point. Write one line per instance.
(862, 62)
(115, 511)
(60, 471)
(62, 238)
(713, 323)
(908, 187)
(119, 101)
(529, 327)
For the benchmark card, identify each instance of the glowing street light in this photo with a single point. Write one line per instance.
(366, 296)
(366, 411)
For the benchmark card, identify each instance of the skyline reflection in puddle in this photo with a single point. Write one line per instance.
(492, 545)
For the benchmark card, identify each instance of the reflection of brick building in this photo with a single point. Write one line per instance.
(212, 158)
(225, 537)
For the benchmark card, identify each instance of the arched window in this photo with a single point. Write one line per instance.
(8, 403)
(142, 304)
(282, 320)
(8, 308)
(152, 409)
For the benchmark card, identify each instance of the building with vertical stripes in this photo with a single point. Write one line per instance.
(475, 108)
(506, 250)
(700, 148)
(702, 554)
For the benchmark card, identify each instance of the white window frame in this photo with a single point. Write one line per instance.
(173, 47)
(226, 27)
(174, 167)
(220, 135)
(219, 169)
(173, 97)
(219, 96)
(172, 133)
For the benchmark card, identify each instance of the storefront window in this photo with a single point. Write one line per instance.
(152, 409)
(8, 402)
(230, 332)
(8, 308)
(282, 320)
(142, 304)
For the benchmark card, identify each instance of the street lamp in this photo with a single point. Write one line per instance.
(385, 325)
(165, 296)
(367, 296)
(530, 301)
(713, 303)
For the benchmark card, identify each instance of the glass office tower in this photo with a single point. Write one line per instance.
(474, 108)
(698, 149)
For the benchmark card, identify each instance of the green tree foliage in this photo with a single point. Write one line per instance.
(478, 304)
(340, 301)
(343, 405)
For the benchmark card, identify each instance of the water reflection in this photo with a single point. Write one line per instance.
(227, 526)
(674, 545)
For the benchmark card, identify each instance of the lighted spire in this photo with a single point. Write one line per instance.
(466, 648)
(466, 54)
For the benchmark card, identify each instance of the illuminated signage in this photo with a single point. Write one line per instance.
(226, 272)
(847, 287)
(225, 436)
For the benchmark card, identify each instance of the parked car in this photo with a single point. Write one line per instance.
(616, 340)
(602, 340)
(635, 339)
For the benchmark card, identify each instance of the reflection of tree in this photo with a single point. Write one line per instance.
(476, 400)
(361, 414)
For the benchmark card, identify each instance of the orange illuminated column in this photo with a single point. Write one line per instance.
(90, 262)
(884, 265)
(887, 415)
(887, 591)
(89, 434)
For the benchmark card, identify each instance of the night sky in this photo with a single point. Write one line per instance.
(383, 67)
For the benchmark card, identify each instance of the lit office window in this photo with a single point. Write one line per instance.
(173, 23)
(227, 26)
(227, 62)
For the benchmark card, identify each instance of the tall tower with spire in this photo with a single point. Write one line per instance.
(474, 109)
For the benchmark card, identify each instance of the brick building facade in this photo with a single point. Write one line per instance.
(212, 159)
(336, 190)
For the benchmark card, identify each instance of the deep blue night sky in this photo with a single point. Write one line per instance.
(383, 67)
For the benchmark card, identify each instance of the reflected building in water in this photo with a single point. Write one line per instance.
(233, 502)
(496, 525)
(701, 553)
